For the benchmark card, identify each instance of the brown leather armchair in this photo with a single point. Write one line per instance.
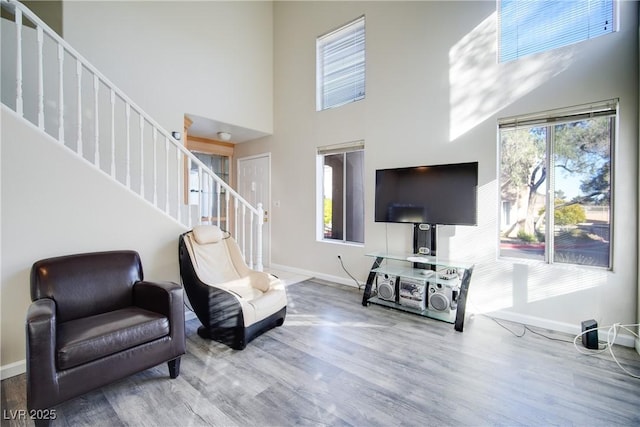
(94, 320)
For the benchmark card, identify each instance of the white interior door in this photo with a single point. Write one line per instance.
(254, 185)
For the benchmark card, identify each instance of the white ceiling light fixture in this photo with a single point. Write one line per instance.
(225, 136)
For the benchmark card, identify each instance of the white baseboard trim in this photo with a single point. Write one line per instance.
(322, 276)
(13, 369)
(567, 328)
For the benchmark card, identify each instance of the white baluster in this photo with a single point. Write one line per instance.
(236, 225)
(251, 228)
(212, 185)
(166, 175)
(96, 130)
(259, 264)
(19, 100)
(226, 210)
(79, 83)
(218, 189)
(180, 189)
(113, 134)
(60, 93)
(187, 185)
(128, 154)
(141, 155)
(244, 231)
(206, 199)
(40, 40)
(155, 166)
(201, 200)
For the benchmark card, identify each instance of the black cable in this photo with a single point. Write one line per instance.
(346, 271)
(546, 336)
(504, 327)
(525, 329)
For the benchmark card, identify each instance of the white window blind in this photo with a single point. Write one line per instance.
(341, 65)
(341, 148)
(606, 108)
(528, 27)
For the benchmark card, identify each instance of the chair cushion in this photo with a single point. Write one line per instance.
(205, 234)
(83, 340)
(211, 262)
(268, 303)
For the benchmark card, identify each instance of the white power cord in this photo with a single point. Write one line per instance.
(612, 334)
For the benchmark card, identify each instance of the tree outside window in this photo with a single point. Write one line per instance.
(555, 186)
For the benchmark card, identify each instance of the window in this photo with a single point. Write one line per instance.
(340, 66)
(341, 193)
(536, 26)
(556, 185)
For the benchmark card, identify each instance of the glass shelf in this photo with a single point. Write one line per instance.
(417, 273)
(448, 316)
(431, 260)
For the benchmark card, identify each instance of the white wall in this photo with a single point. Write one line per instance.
(213, 59)
(638, 339)
(434, 94)
(55, 204)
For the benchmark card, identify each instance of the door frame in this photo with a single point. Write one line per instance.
(266, 205)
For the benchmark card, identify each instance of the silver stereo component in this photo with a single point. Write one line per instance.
(386, 284)
(413, 292)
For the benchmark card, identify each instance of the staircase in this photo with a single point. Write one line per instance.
(48, 83)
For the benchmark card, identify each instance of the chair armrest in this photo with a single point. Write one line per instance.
(157, 296)
(260, 280)
(165, 298)
(42, 378)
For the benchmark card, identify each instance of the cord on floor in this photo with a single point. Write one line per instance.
(612, 334)
(349, 274)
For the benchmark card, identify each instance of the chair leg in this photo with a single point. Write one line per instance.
(204, 333)
(174, 367)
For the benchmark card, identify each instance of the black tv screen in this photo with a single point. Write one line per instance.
(437, 194)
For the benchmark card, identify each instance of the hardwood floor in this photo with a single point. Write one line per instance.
(335, 362)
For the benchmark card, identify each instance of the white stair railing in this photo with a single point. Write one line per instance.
(65, 96)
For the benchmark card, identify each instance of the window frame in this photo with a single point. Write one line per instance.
(549, 120)
(345, 148)
(343, 33)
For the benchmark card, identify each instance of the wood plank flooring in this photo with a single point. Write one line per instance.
(335, 362)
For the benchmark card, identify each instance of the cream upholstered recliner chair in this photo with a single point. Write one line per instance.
(233, 302)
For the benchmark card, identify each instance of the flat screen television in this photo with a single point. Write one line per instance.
(437, 194)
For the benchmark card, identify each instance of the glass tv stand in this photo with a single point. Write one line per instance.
(424, 285)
